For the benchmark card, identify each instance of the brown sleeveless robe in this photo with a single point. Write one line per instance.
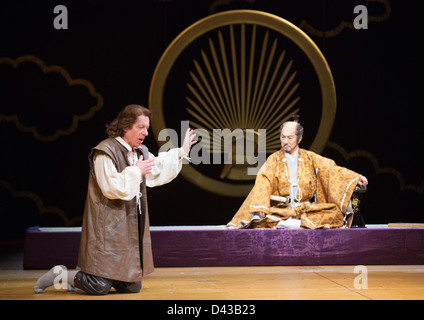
(114, 234)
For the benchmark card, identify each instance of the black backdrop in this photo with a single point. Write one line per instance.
(116, 45)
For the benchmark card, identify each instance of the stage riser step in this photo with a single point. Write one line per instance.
(197, 247)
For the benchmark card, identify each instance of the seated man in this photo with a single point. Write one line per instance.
(316, 190)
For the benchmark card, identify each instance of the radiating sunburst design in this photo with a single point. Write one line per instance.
(241, 77)
(245, 83)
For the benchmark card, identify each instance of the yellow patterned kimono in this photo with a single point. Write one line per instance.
(329, 186)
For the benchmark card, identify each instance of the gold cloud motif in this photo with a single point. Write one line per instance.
(42, 209)
(378, 170)
(71, 82)
(304, 25)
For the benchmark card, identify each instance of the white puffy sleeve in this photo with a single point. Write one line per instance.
(167, 167)
(115, 185)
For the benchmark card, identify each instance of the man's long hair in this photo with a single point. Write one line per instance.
(126, 119)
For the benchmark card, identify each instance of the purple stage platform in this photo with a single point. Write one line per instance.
(206, 246)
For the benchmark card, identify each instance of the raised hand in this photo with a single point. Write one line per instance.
(188, 140)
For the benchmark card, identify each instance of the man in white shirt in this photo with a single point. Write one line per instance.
(115, 247)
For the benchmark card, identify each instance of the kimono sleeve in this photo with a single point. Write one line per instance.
(264, 185)
(335, 184)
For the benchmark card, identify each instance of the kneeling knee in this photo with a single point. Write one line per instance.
(91, 284)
